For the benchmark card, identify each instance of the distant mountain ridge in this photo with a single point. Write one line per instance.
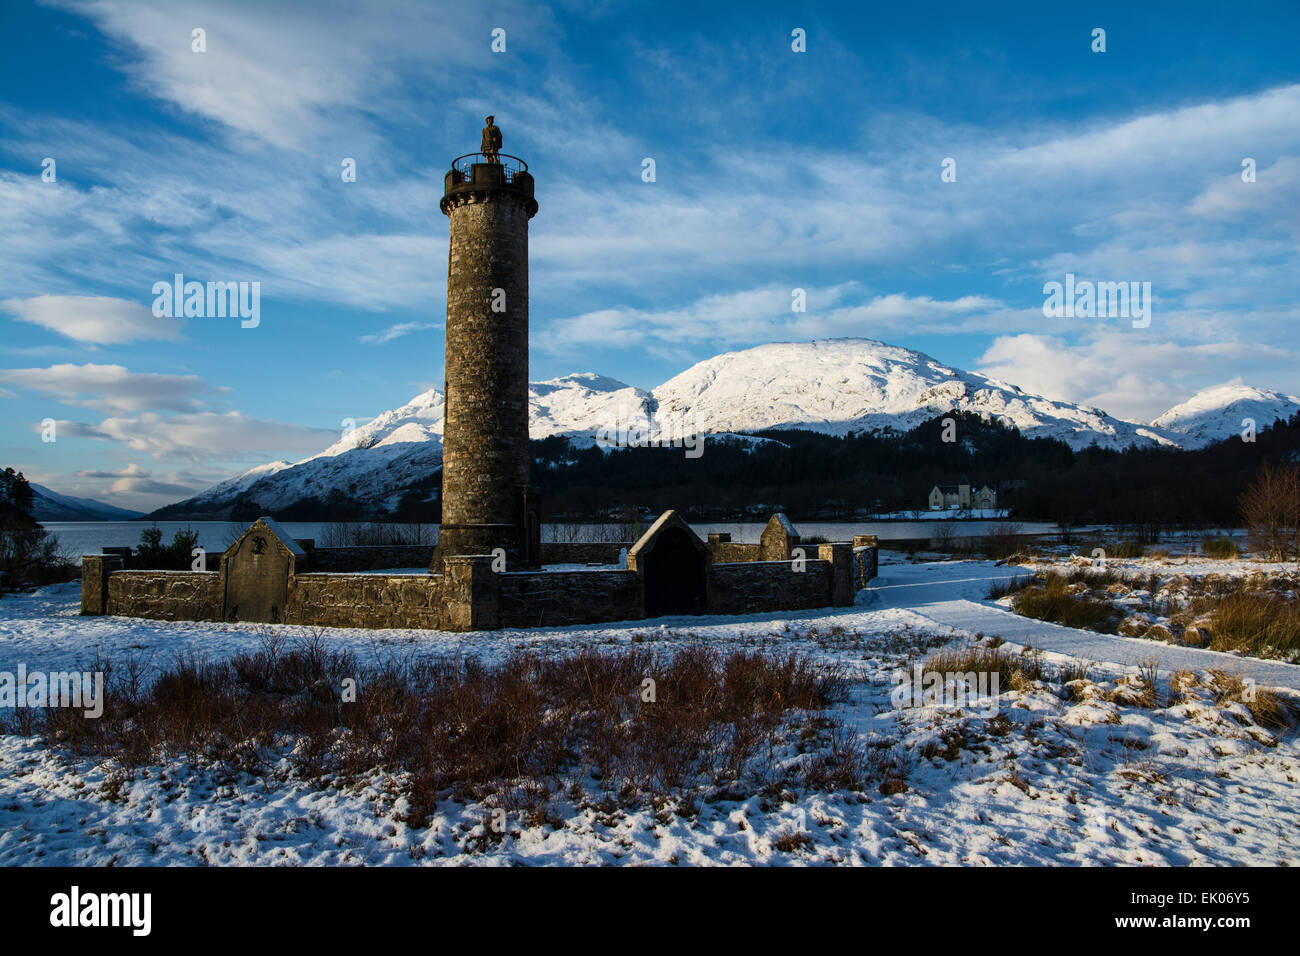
(831, 386)
(49, 505)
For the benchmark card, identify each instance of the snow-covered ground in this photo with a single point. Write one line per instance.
(1041, 775)
(951, 595)
(1171, 596)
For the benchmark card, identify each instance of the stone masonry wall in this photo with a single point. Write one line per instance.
(366, 600)
(866, 559)
(865, 562)
(166, 595)
(474, 597)
(733, 552)
(761, 586)
(547, 598)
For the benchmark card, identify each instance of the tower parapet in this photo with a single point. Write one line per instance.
(473, 177)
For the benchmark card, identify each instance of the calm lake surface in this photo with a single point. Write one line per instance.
(89, 537)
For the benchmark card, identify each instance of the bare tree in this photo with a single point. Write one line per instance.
(945, 537)
(1270, 509)
(356, 534)
(29, 555)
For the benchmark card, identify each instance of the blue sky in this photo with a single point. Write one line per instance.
(775, 170)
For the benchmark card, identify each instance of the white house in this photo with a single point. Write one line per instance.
(957, 497)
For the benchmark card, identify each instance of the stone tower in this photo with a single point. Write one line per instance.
(487, 502)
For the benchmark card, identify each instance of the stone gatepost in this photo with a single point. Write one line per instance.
(471, 593)
(777, 540)
(95, 569)
(866, 558)
(840, 556)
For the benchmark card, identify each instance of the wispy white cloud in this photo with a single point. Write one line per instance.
(131, 485)
(162, 416)
(767, 314)
(113, 388)
(134, 480)
(396, 331)
(201, 437)
(94, 319)
(1029, 202)
(1128, 374)
(283, 73)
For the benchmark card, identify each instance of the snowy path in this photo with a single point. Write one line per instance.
(951, 594)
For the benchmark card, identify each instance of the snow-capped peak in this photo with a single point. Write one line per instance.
(1219, 412)
(583, 403)
(842, 385)
(419, 420)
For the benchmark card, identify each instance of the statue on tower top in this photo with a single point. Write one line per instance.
(491, 141)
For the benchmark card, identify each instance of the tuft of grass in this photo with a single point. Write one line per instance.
(1266, 708)
(1000, 589)
(1093, 577)
(892, 785)
(791, 841)
(1052, 601)
(1077, 670)
(1149, 672)
(1014, 671)
(1220, 546)
(1256, 623)
(1125, 549)
(1182, 686)
(843, 763)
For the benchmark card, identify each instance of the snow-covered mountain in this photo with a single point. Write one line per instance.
(842, 385)
(832, 386)
(578, 405)
(49, 505)
(1214, 414)
(399, 451)
(375, 462)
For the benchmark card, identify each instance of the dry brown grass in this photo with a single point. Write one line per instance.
(512, 732)
(892, 785)
(1140, 689)
(1077, 670)
(1220, 546)
(1181, 686)
(791, 841)
(1257, 623)
(1053, 600)
(1015, 671)
(1266, 708)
